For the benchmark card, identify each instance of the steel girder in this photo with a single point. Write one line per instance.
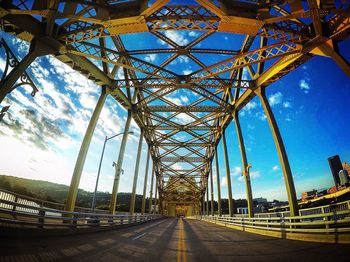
(182, 134)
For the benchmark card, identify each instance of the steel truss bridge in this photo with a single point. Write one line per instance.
(276, 37)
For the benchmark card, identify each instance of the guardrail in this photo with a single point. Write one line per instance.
(15, 210)
(329, 223)
(303, 212)
(31, 201)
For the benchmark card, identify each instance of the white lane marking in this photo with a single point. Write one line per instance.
(150, 226)
(147, 228)
(139, 236)
(156, 224)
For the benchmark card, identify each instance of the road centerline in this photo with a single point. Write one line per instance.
(181, 244)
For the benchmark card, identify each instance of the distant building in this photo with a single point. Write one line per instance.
(260, 200)
(260, 205)
(343, 177)
(335, 166)
(277, 203)
(242, 210)
(332, 190)
(322, 193)
(308, 195)
(346, 167)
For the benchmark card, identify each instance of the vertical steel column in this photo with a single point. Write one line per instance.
(36, 49)
(212, 192)
(155, 197)
(151, 190)
(228, 176)
(143, 208)
(244, 166)
(160, 196)
(79, 164)
(118, 167)
(207, 203)
(160, 203)
(203, 205)
(136, 173)
(282, 154)
(218, 180)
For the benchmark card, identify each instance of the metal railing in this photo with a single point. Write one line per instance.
(22, 199)
(20, 210)
(302, 212)
(334, 218)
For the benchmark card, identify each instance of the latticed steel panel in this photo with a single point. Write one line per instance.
(182, 112)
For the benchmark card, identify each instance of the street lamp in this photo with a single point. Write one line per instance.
(99, 167)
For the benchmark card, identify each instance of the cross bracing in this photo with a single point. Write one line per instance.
(271, 39)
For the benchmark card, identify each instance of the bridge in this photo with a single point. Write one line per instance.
(273, 37)
(32, 230)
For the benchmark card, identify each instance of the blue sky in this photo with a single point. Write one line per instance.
(42, 135)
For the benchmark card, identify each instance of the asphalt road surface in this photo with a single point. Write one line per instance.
(170, 239)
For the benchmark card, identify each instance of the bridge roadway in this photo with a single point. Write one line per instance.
(170, 239)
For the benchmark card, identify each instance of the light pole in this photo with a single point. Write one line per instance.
(99, 167)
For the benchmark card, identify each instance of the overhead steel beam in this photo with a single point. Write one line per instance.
(183, 109)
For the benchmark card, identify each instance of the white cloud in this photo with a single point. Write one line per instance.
(304, 86)
(184, 99)
(275, 168)
(236, 171)
(255, 174)
(88, 101)
(183, 59)
(110, 122)
(74, 81)
(250, 127)
(151, 57)
(224, 181)
(287, 104)
(262, 117)
(193, 34)
(176, 166)
(21, 46)
(54, 103)
(187, 71)
(175, 100)
(275, 99)
(44, 133)
(120, 73)
(184, 119)
(251, 105)
(31, 162)
(176, 36)
(21, 98)
(248, 108)
(3, 64)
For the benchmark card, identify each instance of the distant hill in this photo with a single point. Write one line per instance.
(57, 193)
